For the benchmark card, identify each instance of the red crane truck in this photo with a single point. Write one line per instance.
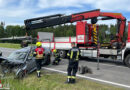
(87, 34)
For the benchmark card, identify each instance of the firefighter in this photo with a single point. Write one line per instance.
(73, 56)
(39, 54)
(57, 57)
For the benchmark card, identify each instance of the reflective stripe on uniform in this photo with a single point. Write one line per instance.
(69, 77)
(68, 54)
(73, 77)
(38, 71)
(39, 56)
(77, 57)
(71, 55)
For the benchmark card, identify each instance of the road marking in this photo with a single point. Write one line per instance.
(5, 88)
(95, 79)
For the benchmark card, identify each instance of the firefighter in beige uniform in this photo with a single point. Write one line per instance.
(39, 54)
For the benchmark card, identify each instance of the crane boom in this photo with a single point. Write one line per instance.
(47, 21)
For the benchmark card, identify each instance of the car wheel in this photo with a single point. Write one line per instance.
(63, 54)
(127, 60)
(20, 75)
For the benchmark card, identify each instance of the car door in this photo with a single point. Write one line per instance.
(30, 62)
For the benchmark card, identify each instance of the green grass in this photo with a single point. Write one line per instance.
(10, 45)
(54, 81)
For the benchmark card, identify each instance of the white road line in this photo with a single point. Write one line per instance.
(5, 88)
(100, 80)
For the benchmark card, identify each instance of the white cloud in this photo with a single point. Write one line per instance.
(2, 3)
(16, 11)
(59, 3)
(104, 5)
(111, 5)
(13, 11)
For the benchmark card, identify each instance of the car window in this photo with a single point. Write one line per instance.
(17, 55)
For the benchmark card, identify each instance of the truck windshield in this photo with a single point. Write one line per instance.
(17, 55)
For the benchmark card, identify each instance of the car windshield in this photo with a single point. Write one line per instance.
(17, 55)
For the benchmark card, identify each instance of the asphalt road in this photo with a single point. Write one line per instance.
(109, 71)
(6, 51)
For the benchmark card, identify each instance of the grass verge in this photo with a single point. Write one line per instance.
(10, 45)
(54, 81)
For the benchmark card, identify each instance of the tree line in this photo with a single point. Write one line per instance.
(105, 32)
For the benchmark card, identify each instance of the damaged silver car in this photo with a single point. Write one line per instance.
(20, 62)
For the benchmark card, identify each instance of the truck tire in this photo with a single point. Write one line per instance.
(63, 54)
(127, 60)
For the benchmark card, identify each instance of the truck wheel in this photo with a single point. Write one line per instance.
(63, 54)
(127, 60)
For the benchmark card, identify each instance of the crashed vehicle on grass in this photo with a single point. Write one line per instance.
(21, 62)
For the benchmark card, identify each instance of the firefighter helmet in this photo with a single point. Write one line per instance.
(38, 44)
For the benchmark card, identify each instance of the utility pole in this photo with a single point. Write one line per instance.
(98, 48)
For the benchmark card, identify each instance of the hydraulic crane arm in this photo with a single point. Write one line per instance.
(121, 22)
(42, 22)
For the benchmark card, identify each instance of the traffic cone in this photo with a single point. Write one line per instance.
(1, 86)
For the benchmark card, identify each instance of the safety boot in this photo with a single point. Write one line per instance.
(38, 74)
(68, 80)
(73, 81)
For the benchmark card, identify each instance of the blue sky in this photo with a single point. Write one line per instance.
(14, 12)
